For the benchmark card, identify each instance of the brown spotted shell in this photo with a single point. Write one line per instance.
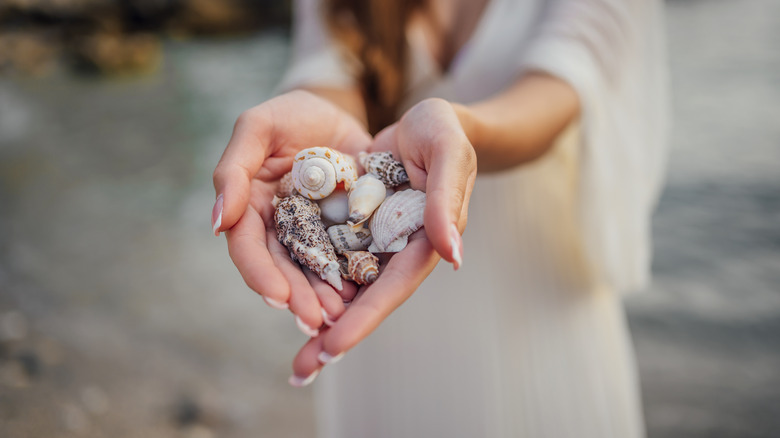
(286, 187)
(316, 171)
(399, 216)
(362, 266)
(385, 167)
(299, 228)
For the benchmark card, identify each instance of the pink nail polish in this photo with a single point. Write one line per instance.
(300, 382)
(457, 247)
(308, 331)
(216, 215)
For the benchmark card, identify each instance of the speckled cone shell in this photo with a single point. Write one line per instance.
(383, 166)
(286, 187)
(299, 228)
(316, 172)
(362, 266)
(398, 217)
(346, 238)
(364, 197)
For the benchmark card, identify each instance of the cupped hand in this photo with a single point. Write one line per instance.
(440, 160)
(265, 139)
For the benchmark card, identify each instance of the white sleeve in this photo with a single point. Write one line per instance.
(613, 53)
(316, 59)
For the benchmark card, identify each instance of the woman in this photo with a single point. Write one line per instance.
(566, 99)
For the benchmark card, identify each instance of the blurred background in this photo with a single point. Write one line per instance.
(121, 315)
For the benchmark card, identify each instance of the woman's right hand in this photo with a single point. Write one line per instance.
(265, 139)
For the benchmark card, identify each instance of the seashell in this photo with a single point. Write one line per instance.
(316, 171)
(299, 228)
(399, 216)
(335, 208)
(286, 187)
(385, 167)
(362, 266)
(346, 238)
(364, 197)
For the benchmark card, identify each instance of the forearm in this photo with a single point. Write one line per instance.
(521, 123)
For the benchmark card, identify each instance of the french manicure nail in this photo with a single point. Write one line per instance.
(326, 358)
(308, 331)
(327, 319)
(216, 216)
(276, 304)
(300, 382)
(456, 242)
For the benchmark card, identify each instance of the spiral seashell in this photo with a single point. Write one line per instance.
(364, 197)
(346, 238)
(286, 187)
(398, 217)
(335, 208)
(316, 171)
(299, 228)
(362, 266)
(383, 166)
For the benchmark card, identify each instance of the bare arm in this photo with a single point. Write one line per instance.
(520, 123)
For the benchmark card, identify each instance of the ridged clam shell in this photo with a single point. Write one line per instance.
(362, 266)
(286, 187)
(335, 208)
(299, 228)
(346, 238)
(316, 171)
(365, 195)
(399, 216)
(385, 167)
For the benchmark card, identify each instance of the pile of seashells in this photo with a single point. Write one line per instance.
(322, 209)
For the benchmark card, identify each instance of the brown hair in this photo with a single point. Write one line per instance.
(374, 31)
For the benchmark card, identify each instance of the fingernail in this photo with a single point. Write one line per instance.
(300, 382)
(308, 331)
(328, 320)
(216, 216)
(326, 358)
(276, 304)
(457, 251)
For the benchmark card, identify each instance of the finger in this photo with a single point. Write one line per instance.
(302, 299)
(330, 300)
(243, 157)
(248, 248)
(306, 367)
(451, 167)
(403, 274)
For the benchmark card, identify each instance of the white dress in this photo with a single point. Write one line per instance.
(529, 338)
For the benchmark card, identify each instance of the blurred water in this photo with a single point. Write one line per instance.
(120, 315)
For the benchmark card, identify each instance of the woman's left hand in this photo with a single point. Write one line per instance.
(440, 160)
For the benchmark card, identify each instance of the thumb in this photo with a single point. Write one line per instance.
(242, 160)
(451, 172)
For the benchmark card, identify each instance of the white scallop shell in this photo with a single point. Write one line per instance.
(335, 208)
(364, 197)
(316, 171)
(399, 216)
(345, 238)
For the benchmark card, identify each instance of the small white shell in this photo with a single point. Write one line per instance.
(316, 171)
(345, 238)
(335, 208)
(399, 216)
(385, 167)
(364, 197)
